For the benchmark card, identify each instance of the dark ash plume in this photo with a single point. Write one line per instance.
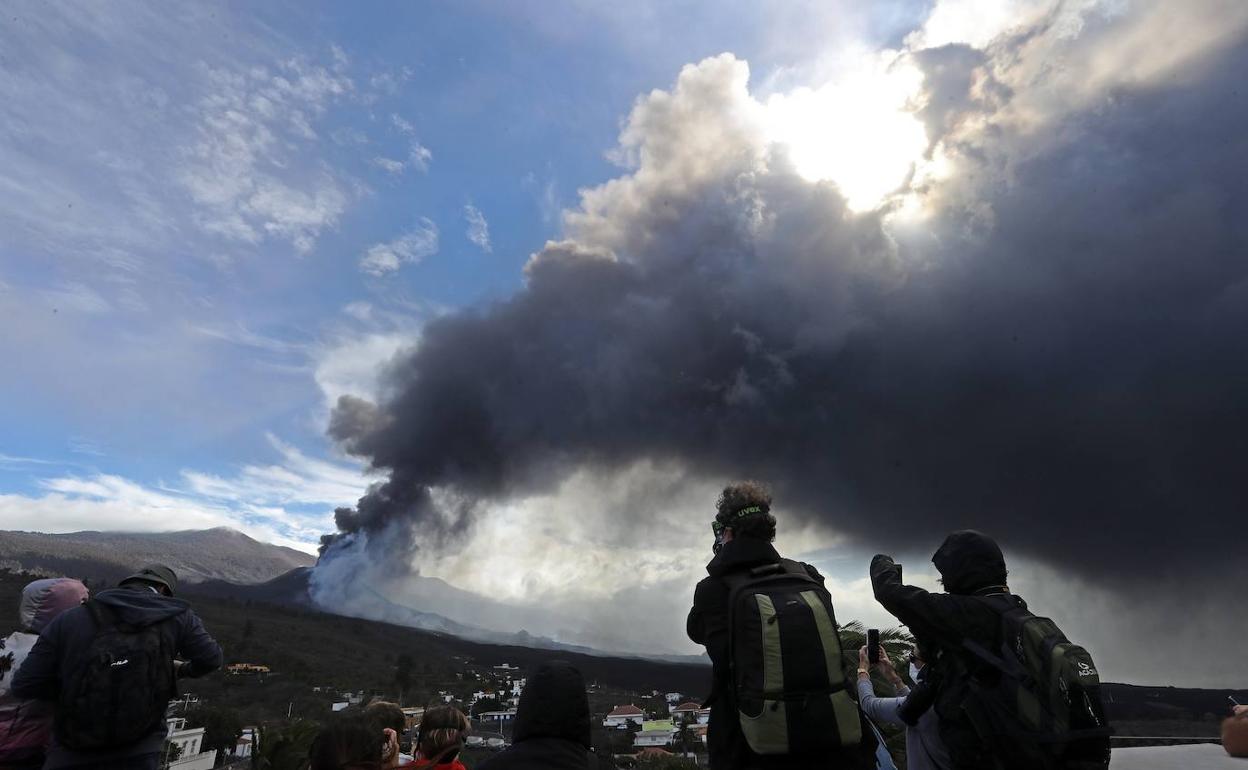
(1060, 358)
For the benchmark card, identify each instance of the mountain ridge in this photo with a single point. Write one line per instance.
(196, 555)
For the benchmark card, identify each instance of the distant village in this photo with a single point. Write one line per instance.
(665, 724)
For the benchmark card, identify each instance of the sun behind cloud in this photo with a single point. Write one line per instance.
(858, 131)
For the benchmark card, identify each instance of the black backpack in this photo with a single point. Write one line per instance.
(119, 693)
(789, 683)
(1035, 701)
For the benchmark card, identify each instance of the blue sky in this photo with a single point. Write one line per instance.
(190, 198)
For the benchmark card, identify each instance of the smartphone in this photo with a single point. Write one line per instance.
(873, 645)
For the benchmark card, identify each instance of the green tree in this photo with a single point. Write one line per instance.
(285, 747)
(222, 726)
(403, 666)
(171, 752)
(486, 704)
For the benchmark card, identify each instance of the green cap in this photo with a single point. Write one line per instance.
(158, 574)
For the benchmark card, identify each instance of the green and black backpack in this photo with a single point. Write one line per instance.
(1036, 704)
(788, 679)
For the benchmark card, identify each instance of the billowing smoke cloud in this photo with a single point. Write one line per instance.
(1055, 351)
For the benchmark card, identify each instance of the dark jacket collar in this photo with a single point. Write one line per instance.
(742, 552)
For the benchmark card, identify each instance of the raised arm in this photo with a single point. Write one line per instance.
(937, 616)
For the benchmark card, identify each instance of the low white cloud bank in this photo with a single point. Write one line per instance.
(286, 502)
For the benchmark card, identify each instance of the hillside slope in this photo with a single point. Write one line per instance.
(348, 653)
(196, 555)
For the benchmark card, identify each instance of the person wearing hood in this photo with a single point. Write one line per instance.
(26, 725)
(744, 529)
(142, 619)
(552, 727)
(971, 565)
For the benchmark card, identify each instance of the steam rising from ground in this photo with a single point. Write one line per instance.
(1039, 333)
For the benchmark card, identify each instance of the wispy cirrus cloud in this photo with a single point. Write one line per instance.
(409, 248)
(478, 228)
(251, 126)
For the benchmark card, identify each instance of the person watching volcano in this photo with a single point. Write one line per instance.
(773, 704)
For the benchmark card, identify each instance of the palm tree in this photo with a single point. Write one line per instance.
(897, 643)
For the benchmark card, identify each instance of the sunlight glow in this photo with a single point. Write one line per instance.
(859, 132)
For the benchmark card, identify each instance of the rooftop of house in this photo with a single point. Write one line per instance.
(626, 711)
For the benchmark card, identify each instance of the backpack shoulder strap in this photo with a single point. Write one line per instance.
(1011, 611)
(784, 568)
(100, 614)
(792, 567)
(106, 618)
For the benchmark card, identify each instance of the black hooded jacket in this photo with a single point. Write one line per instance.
(64, 643)
(708, 625)
(970, 564)
(552, 730)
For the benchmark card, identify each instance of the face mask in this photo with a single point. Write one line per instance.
(914, 673)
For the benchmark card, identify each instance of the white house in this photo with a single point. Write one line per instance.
(620, 716)
(654, 732)
(189, 742)
(686, 712)
(498, 718)
(247, 743)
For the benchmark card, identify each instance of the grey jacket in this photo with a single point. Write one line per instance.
(924, 749)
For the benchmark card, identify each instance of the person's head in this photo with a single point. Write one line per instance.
(554, 704)
(923, 653)
(970, 562)
(385, 714)
(43, 600)
(441, 734)
(156, 577)
(744, 510)
(346, 743)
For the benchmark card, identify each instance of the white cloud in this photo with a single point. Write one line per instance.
(76, 298)
(261, 500)
(409, 248)
(104, 501)
(389, 165)
(296, 480)
(353, 364)
(240, 170)
(478, 228)
(418, 156)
